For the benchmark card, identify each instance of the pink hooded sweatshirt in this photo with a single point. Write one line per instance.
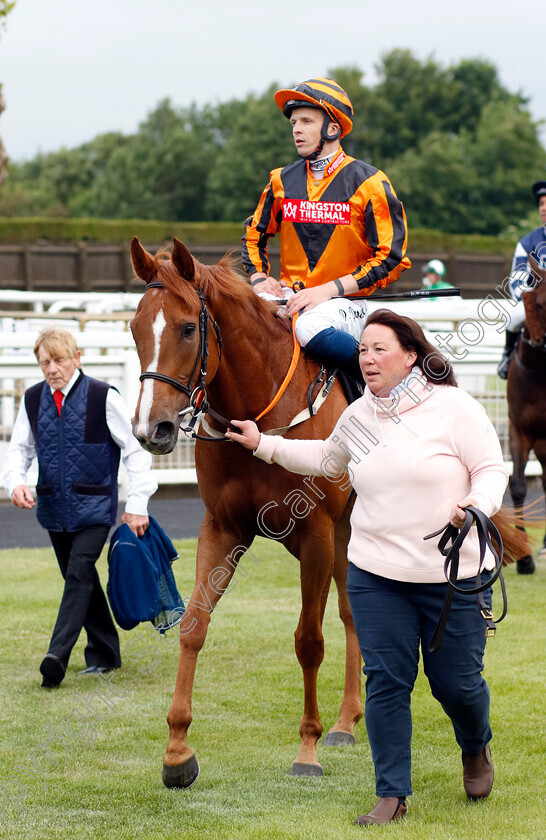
(410, 458)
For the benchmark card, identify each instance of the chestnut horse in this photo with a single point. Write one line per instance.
(241, 361)
(526, 395)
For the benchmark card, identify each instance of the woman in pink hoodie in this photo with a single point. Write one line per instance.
(417, 451)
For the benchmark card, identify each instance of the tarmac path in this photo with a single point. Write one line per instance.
(179, 518)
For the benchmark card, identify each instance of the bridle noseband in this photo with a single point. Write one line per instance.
(195, 391)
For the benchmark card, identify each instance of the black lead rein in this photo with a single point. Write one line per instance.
(487, 531)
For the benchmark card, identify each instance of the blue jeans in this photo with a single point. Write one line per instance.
(393, 620)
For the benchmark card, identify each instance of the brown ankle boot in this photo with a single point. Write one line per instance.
(385, 810)
(478, 774)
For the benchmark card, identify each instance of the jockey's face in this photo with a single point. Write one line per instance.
(430, 279)
(57, 370)
(542, 209)
(306, 128)
(383, 361)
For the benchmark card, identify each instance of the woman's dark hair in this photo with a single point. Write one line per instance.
(411, 337)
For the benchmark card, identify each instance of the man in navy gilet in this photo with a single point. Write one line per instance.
(77, 427)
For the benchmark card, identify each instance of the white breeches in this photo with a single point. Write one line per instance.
(346, 315)
(516, 317)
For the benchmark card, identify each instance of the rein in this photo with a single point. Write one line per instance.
(487, 531)
(289, 374)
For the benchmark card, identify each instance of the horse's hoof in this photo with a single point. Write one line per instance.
(542, 552)
(181, 775)
(526, 566)
(305, 769)
(335, 738)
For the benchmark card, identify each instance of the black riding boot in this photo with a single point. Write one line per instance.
(350, 376)
(511, 340)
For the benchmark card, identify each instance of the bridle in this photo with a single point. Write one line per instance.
(195, 391)
(536, 345)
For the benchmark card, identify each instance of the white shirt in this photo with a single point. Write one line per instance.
(22, 451)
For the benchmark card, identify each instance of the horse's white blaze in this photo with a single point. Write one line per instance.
(147, 392)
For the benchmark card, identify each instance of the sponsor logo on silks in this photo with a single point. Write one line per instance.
(338, 160)
(321, 212)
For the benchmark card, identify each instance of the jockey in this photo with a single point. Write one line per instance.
(342, 229)
(521, 278)
(434, 273)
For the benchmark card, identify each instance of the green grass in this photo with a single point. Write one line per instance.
(247, 705)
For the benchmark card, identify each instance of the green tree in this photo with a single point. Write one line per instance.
(158, 173)
(50, 184)
(436, 184)
(507, 159)
(256, 139)
(460, 149)
(5, 8)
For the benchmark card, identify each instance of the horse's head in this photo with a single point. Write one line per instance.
(168, 331)
(534, 302)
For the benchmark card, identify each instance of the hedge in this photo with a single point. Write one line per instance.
(17, 230)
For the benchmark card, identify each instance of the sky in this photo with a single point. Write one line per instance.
(71, 69)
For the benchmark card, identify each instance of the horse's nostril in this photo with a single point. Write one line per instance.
(163, 431)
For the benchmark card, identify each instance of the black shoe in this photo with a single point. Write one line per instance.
(52, 671)
(96, 669)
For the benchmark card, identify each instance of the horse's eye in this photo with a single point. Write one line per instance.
(187, 330)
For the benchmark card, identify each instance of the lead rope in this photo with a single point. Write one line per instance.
(289, 374)
(486, 529)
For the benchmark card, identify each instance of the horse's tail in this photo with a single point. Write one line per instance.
(510, 523)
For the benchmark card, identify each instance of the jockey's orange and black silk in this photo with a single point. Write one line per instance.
(350, 222)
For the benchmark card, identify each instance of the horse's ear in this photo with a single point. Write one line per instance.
(143, 262)
(183, 260)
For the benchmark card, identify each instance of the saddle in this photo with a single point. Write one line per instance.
(352, 384)
(349, 377)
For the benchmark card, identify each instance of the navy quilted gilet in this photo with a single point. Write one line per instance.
(77, 459)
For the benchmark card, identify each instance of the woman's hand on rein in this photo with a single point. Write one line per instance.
(249, 436)
(458, 514)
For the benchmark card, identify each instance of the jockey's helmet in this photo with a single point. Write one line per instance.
(324, 94)
(538, 189)
(435, 267)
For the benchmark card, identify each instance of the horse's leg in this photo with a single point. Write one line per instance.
(342, 732)
(316, 556)
(217, 555)
(520, 447)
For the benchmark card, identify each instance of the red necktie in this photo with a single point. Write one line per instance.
(58, 397)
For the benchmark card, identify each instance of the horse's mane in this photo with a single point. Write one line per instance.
(215, 282)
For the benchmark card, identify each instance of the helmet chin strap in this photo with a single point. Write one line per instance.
(324, 137)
